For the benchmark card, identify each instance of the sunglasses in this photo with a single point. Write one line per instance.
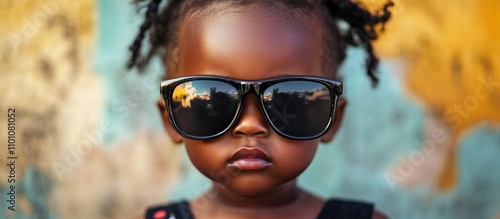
(295, 107)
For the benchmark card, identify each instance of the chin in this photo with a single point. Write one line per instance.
(252, 185)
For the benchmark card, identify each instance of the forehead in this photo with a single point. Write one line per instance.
(239, 41)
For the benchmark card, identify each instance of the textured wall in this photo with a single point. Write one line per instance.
(89, 144)
(63, 168)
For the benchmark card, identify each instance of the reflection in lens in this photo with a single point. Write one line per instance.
(204, 107)
(298, 108)
(183, 94)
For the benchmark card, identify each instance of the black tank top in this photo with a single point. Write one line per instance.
(333, 209)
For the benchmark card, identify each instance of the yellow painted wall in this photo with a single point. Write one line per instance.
(452, 55)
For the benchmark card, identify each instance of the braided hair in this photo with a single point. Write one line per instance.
(163, 26)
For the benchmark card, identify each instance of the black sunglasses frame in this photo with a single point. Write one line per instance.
(244, 87)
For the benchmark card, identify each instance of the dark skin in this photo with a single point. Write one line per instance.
(252, 43)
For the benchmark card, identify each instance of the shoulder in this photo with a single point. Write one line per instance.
(341, 208)
(378, 215)
(172, 210)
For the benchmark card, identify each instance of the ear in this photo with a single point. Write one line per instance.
(166, 122)
(339, 114)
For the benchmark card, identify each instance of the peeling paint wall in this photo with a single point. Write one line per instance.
(424, 144)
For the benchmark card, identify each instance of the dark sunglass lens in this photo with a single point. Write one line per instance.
(204, 108)
(299, 108)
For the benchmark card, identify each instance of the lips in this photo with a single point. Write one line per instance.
(249, 159)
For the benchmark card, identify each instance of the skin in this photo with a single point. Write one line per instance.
(251, 44)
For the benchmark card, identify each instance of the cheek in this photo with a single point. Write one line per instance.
(296, 156)
(197, 154)
(208, 159)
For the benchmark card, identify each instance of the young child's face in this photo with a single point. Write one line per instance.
(250, 43)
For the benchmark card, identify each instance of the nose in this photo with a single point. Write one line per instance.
(251, 121)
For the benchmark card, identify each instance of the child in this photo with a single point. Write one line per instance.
(251, 94)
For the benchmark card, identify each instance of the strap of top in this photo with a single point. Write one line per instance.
(178, 210)
(341, 209)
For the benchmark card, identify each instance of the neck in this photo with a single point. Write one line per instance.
(282, 196)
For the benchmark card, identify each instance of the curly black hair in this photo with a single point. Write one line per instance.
(361, 30)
